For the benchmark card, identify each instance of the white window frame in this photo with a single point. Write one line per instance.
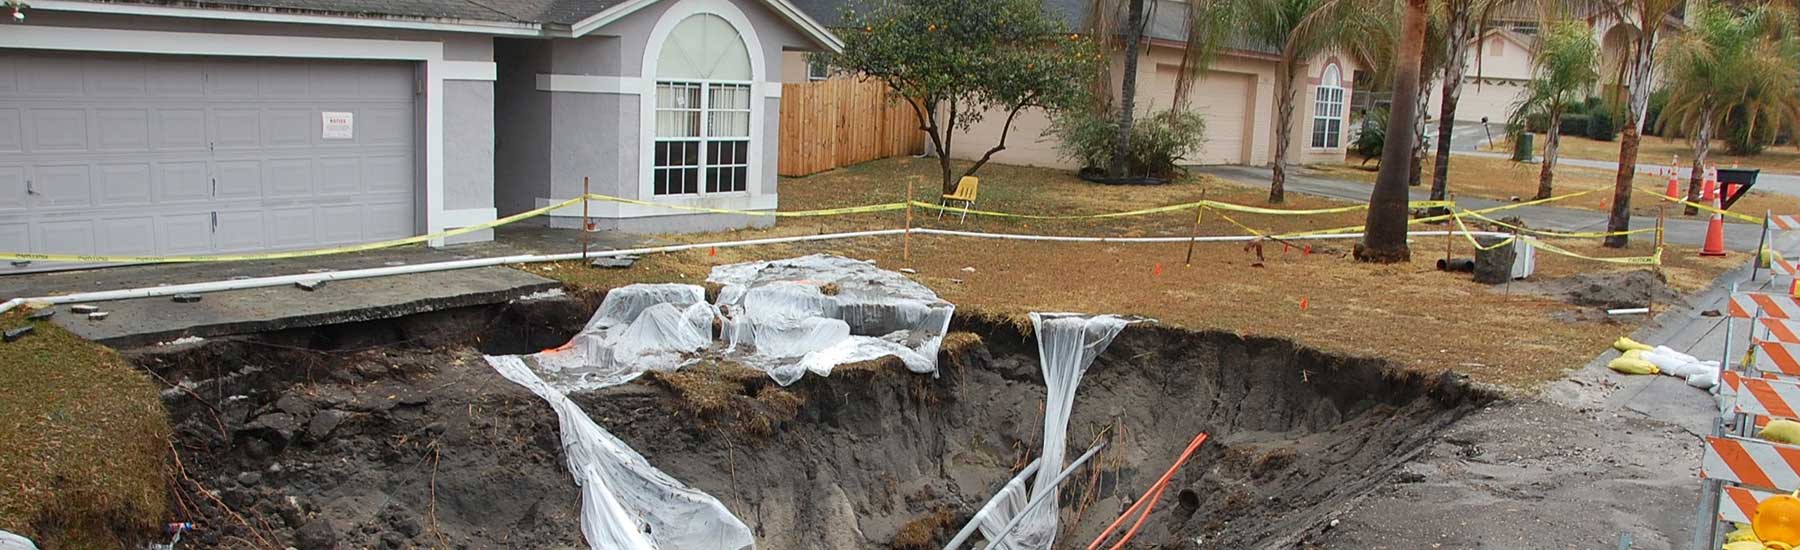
(1328, 111)
(816, 71)
(705, 110)
(761, 93)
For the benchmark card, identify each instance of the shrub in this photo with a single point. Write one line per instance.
(1600, 126)
(1574, 125)
(1372, 138)
(1653, 113)
(1738, 140)
(1159, 140)
(1537, 123)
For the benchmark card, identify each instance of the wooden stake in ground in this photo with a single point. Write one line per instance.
(1199, 211)
(585, 225)
(1449, 231)
(906, 236)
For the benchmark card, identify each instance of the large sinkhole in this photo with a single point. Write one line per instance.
(396, 434)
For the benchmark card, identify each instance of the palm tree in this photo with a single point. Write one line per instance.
(1279, 22)
(1384, 234)
(1464, 20)
(1564, 67)
(1647, 18)
(1725, 61)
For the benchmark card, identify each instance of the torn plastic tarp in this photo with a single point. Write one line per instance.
(625, 502)
(783, 317)
(1067, 345)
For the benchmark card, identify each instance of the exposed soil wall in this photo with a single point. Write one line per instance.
(315, 438)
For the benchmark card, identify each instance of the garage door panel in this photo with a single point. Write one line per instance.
(329, 82)
(125, 236)
(122, 129)
(385, 84)
(284, 80)
(239, 231)
(15, 236)
(290, 127)
(288, 177)
(58, 130)
(387, 221)
(176, 79)
(340, 223)
(386, 126)
(62, 185)
(178, 129)
(114, 77)
(292, 227)
(233, 84)
(183, 181)
(387, 174)
(185, 233)
(12, 187)
(339, 176)
(55, 76)
(122, 184)
(12, 136)
(9, 81)
(236, 128)
(237, 179)
(65, 236)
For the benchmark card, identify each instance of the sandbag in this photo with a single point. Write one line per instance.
(1704, 380)
(1744, 545)
(1781, 431)
(1670, 352)
(1741, 534)
(1625, 365)
(1626, 344)
(1633, 354)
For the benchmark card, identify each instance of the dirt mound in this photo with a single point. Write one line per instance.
(1621, 289)
(420, 444)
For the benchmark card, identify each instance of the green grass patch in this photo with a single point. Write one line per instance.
(83, 442)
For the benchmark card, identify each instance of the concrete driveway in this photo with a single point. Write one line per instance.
(1468, 137)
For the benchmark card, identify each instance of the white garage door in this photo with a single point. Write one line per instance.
(160, 155)
(1223, 98)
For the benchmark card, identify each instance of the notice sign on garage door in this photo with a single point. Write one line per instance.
(338, 125)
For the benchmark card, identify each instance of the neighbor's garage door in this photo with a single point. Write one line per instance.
(157, 155)
(1224, 99)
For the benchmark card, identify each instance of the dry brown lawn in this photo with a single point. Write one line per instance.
(1410, 313)
(1783, 159)
(1502, 179)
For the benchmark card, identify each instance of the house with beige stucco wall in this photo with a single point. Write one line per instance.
(1235, 95)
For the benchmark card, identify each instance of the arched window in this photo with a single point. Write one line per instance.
(1328, 110)
(703, 76)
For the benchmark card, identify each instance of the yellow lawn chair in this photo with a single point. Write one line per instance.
(966, 190)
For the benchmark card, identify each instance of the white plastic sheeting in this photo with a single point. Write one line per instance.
(9, 541)
(626, 503)
(1067, 345)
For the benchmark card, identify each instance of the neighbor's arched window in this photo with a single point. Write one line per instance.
(1328, 110)
(702, 109)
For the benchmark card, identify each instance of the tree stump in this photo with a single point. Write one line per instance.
(1494, 266)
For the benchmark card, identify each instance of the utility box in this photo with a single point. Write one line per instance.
(1522, 146)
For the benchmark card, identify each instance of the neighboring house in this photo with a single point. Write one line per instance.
(1236, 95)
(1504, 62)
(220, 126)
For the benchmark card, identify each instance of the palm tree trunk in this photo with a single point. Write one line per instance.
(1284, 129)
(1457, 47)
(1416, 176)
(1384, 235)
(1128, 87)
(1552, 139)
(1619, 220)
(1702, 140)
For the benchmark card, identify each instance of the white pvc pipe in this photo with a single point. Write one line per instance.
(1039, 499)
(1017, 483)
(261, 282)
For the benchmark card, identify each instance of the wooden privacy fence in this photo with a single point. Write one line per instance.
(839, 122)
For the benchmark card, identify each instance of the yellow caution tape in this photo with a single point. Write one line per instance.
(1210, 204)
(1706, 207)
(884, 207)
(1653, 259)
(1471, 236)
(1558, 234)
(1430, 219)
(92, 258)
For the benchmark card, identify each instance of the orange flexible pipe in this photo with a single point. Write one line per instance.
(1149, 498)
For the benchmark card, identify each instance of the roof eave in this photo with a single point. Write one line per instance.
(505, 28)
(786, 9)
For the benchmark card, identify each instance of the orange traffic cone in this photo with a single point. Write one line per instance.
(1715, 230)
(1794, 288)
(1674, 190)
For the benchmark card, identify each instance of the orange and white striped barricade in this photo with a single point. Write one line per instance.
(1751, 462)
(1777, 357)
(1782, 266)
(1779, 330)
(1738, 504)
(1763, 396)
(1744, 305)
(1785, 222)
